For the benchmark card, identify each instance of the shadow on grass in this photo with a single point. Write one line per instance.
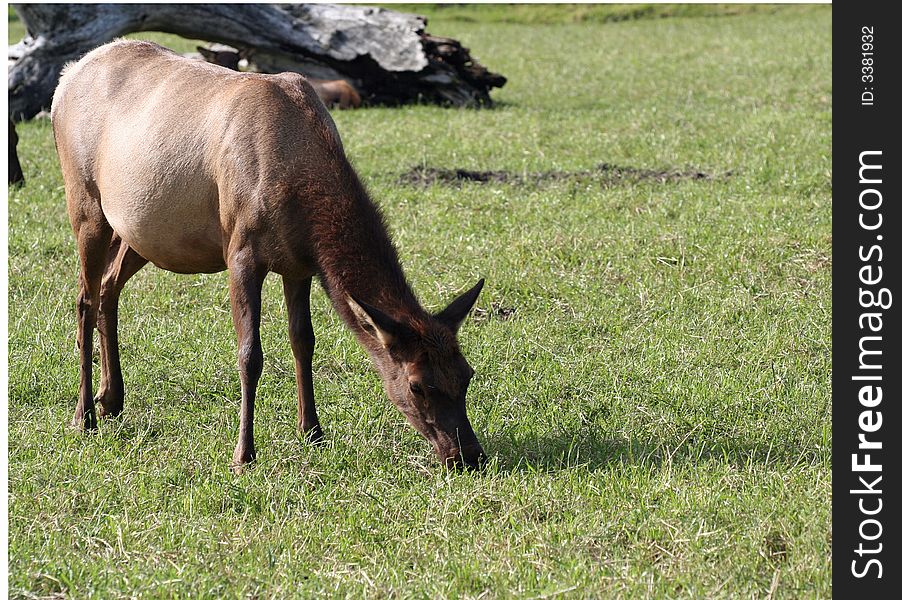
(503, 104)
(135, 430)
(582, 449)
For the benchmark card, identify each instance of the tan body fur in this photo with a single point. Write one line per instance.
(174, 198)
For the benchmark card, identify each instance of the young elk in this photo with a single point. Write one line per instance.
(198, 169)
(332, 92)
(224, 58)
(337, 92)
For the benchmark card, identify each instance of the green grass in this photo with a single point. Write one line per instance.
(553, 14)
(658, 407)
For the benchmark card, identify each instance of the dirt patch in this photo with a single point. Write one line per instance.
(496, 313)
(776, 546)
(605, 173)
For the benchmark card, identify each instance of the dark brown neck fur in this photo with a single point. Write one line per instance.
(356, 256)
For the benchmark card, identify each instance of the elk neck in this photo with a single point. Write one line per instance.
(356, 256)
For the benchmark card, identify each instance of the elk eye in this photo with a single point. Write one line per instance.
(416, 388)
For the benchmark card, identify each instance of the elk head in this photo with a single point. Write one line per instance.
(223, 58)
(426, 376)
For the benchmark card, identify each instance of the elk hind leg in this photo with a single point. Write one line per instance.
(93, 234)
(245, 288)
(122, 263)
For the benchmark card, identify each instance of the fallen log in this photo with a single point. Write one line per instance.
(387, 56)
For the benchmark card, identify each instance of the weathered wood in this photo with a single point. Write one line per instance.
(386, 55)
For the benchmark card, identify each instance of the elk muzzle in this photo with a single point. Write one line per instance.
(469, 457)
(460, 449)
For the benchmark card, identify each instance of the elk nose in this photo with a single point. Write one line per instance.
(472, 457)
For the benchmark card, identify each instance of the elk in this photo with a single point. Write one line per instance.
(224, 58)
(337, 92)
(16, 178)
(332, 92)
(198, 169)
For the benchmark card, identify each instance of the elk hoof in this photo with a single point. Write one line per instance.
(313, 434)
(237, 468)
(85, 420)
(110, 404)
(242, 459)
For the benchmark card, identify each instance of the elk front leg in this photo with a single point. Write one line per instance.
(300, 332)
(245, 285)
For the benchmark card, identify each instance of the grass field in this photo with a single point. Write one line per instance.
(653, 353)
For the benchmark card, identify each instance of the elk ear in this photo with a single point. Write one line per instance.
(457, 311)
(375, 322)
(208, 55)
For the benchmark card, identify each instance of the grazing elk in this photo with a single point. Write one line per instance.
(333, 92)
(198, 169)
